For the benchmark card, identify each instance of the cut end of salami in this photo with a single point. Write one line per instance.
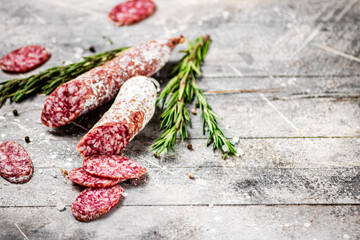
(64, 104)
(92, 203)
(108, 139)
(15, 163)
(113, 167)
(24, 59)
(81, 177)
(131, 111)
(131, 12)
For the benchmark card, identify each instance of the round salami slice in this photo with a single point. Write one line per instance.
(113, 167)
(81, 177)
(131, 111)
(132, 11)
(99, 85)
(15, 163)
(92, 203)
(24, 59)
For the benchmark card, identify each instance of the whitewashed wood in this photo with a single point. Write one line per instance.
(246, 115)
(273, 48)
(253, 153)
(186, 222)
(220, 185)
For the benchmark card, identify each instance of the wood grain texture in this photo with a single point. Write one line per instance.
(283, 75)
(188, 222)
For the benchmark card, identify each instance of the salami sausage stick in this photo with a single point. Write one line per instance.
(131, 111)
(99, 85)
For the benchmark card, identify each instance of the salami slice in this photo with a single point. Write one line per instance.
(131, 111)
(24, 59)
(99, 85)
(81, 177)
(92, 203)
(15, 163)
(113, 167)
(132, 11)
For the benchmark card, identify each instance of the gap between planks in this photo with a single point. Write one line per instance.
(212, 204)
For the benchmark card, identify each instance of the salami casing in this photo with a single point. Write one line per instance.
(99, 85)
(132, 11)
(131, 111)
(24, 59)
(15, 163)
(81, 177)
(114, 166)
(92, 203)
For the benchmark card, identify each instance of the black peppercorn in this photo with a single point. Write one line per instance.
(92, 49)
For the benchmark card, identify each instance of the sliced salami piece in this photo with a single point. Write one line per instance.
(132, 11)
(99, 85)
(92, 203)
(24, 59)
(114, 166)
(81, 177)
(131, 111)
(15, 163)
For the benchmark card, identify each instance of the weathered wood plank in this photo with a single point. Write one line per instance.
(246, 115)
(186, 222)
(217, 185)
(267, 41)
(253, 153)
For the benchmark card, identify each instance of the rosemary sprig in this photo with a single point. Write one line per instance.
(48, 80)
(181, 90)
(216, 136)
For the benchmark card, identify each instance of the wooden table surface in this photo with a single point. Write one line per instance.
(297, 174)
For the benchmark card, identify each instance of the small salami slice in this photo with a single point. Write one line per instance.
(131, 111)
(132, 11)
(15, 163)
(81, 177)
(24, 59)
(113, 167)
(99, 85)
(92, 203)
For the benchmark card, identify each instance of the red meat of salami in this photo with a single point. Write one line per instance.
(99, 85)
(24, 59)
(15, 163)
(132, 11)
(92, 203)
(131, 111)
(81, 177)
(113, 167)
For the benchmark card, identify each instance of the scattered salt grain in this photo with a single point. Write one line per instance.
(53, 39)
(60, 206)
(239, 152)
